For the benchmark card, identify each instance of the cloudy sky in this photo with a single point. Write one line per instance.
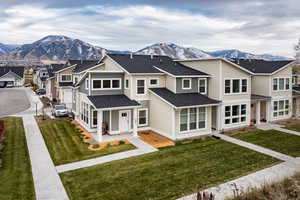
(258, 26)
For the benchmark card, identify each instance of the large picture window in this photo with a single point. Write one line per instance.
(235, 114)
(140, 86)
(236, 86)
(281, 108)
(85, 112)
(281, 84)
(106, 84)
(192, 119)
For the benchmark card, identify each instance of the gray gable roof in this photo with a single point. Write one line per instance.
(145, 64)
(261, 66)
(183, 99)
(112, 101)
(84, 65)
(17, 70)
(54, 68)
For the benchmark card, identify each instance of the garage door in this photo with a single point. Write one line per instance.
(68, 98)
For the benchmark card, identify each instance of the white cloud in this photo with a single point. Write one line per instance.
(133, 27)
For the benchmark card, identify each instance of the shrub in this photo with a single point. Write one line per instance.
(122, 142)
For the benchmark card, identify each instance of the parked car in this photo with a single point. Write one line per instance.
(9, 84)
(40, 91)
(60, 111)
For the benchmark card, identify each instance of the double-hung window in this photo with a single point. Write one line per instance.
(94, 119)
(281, 108)
(281, 84)
(236, 86)
(202, 86)
(143, 117)
(186, 83)
(66, 78)
(192, 119)
(85, 112)
(140, 86)
(235, 114)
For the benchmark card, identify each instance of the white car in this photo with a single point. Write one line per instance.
(60, 111)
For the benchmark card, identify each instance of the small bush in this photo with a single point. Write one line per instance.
(122, 142)
(96, 146)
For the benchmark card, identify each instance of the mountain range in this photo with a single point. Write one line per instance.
(59, 47)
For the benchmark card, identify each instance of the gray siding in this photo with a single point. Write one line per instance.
(192, 90)
(103, 92)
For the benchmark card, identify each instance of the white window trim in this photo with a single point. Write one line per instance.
(231, 86)
(282, 110)
(154, 85)
(65, 75)
(143, 109)
(239, 116)
(145, 86)
(92, 118)
(87, 83)
(197, 120)
(111, 80)
(186, 79)
(284, 84)
(126, 79)
(205, 85)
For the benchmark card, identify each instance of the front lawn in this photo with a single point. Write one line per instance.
(275, 140)
(15, 175)
(293, 127)
(65, 144)
(170, 173)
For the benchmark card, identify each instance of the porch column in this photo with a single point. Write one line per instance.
(219, 118)
(268, 111)
(99, 127)
(135, 118)
(257, 112)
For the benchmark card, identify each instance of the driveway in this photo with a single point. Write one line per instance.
(13, 100)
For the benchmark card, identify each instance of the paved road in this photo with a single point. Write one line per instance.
(13, 100)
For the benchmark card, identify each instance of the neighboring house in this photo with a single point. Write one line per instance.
(131, 93)
(296, 77)
(41, 76)
(50, 81)
(12, 76)
(272, 96)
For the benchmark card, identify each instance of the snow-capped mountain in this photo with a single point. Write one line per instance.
(5, 48)
(234, 53)
(56, 47)
(173, 50)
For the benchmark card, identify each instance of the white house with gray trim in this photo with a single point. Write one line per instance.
(12, 76)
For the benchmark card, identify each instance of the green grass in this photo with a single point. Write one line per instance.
(66, 146)
(167, 174)
(15, 176)
(275, 140)
(293, 127)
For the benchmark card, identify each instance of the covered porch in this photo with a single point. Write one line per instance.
(260, 109)
(113, 115)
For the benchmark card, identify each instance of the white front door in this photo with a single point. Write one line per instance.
(124, 120)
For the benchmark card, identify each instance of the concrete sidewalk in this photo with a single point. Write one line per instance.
(47, 183)
(257, 148)
(142, 148)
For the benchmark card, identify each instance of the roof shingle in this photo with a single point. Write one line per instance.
(112, 101)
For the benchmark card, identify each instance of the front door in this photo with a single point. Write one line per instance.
(124, 120)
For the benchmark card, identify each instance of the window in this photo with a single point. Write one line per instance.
(143, 117)
(140, 86)
(87, 84)
(281, 84)
(281, 108)
(227, 86)
(75, 80)
(105, 84)
(186, 83)
(154, 82)
(97, 84)
(66, 78)
(235, 114)
(236, 86)
(192, 119)
(202, 86)
(84, 112)
(95, 119)
(126, 83)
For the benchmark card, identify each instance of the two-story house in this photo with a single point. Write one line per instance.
(50, 81)
(128, 93)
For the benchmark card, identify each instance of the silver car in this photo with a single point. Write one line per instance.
(60, 111)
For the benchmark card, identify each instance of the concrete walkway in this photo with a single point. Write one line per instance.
(47, 183)
(257, 148)
(142, 148)
(254, 180)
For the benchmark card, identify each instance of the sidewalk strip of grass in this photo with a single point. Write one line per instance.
(272, 139)
(65, 144)
(15, 175)
(169, 173)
